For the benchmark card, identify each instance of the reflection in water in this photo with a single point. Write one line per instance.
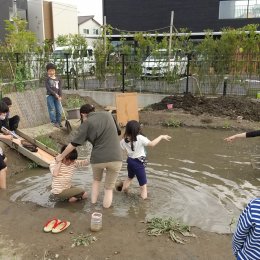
(197, 177)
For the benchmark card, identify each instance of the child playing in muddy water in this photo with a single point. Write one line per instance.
(246, 243)
(134, 143)
(62, 173)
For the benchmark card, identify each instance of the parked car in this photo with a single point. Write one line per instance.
(79, 61)
(159, 64)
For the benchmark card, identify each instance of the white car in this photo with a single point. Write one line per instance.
(159, 64)
(79, 61)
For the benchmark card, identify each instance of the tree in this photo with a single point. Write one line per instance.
(19, 39)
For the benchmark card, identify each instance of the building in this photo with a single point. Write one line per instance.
(89, 28)
(10, 8)
(155, 16)
(47, 19)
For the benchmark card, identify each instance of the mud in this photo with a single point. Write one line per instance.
(224, 106)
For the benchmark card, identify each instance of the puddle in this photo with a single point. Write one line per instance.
(197, 178)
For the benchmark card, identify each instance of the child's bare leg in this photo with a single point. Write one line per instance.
(143, 191)
(3, 178)
(73, 199)
(126, 184)
(108, 198)
(95, 191)
(84, 196)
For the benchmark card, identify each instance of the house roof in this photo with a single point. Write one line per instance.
(83, 19)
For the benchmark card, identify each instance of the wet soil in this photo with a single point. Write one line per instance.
(21, 235)
(224, 106)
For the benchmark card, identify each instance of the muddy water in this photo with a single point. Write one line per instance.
(197, 177)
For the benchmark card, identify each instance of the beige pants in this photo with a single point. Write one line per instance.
(71, 192)
(112, 171)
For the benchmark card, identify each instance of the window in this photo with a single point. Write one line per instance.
(95, 31)
(86, 31)
(239, 9)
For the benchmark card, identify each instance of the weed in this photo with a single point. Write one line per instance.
(172, 123)
(32, 165)
(47, 141)
(232, 222)
(74, 102)
(159, 226)
(83, 240)
(226, 125)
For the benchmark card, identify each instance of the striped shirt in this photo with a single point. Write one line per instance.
(246, 239)
(63, 180)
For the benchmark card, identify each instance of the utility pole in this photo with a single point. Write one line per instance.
(14, 8)
(170, 38)
(105, 47)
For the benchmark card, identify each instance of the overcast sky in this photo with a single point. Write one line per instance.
(87, 7)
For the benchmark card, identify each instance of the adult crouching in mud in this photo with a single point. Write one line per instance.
(100, 130)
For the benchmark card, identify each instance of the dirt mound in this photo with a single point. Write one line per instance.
(221, 106)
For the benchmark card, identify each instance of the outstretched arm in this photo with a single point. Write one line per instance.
(158, 139)
(243, 135)
(233, 137)
(55, 168)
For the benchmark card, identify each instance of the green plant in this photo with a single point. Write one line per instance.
(159, 226)
(172, 123)
(48, 142)
(32, 165)
(74, 102)
(83, 240)
(226, 125)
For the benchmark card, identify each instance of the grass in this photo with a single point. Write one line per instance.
(32, 165)
(158, 226)
(83, 240)
(74, 102)
(226, 125)
(48, 142)
(172, 123)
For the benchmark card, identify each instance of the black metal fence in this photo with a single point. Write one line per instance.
(160, 74)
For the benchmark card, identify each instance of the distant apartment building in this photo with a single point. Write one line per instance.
(8, 9)
(89, 28)
(197, 16)
(45, 18)
(50, 19)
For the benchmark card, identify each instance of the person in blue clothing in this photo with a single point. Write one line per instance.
(54, 92)
(134, 143)
(246, 239)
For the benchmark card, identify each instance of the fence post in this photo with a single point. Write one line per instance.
(123, 73)
(67, 69)
(188, 72)
(17, 57)
(225, 86)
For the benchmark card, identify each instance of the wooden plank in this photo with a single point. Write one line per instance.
(41, 157)
(126, 107)
(37, 143)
